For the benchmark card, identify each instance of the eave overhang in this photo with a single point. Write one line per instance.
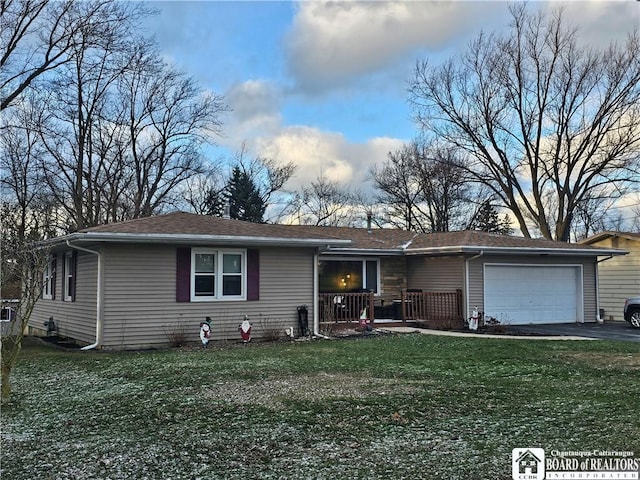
(474, 250)
(328, 246)
(363, 251)
(194, 239)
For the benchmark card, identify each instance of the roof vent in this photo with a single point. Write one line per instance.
(369, 218)
(227, 210)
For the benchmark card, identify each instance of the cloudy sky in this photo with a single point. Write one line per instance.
(323, 84)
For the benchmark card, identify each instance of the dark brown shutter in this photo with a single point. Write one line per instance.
(74, 270)
(64, 275)
(253, 274)
(54, 261)
(183, 275)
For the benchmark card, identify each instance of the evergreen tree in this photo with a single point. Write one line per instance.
(244, 198)
(213, 203)
(487, 220)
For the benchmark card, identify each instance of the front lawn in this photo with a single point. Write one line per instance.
(388, 407)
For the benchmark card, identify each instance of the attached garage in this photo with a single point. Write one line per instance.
(529, 294)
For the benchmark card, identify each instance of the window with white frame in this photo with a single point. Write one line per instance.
(218, 274)
(48, 280)
(69, 276)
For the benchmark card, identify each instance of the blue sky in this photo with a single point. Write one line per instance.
(323, 84)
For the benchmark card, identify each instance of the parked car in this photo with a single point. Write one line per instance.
(632, 311)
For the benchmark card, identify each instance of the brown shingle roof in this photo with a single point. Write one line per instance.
(473, 238)
(182, 223)
(343, 238)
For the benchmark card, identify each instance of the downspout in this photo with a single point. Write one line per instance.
(99, 294)
(598, 318)
(466, 281)
(316, 297)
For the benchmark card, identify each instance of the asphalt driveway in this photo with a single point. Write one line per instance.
(604, 331)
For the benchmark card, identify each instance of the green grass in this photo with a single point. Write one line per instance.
(387, 407)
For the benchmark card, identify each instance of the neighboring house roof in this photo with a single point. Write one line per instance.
(611, 234)
(188, 228)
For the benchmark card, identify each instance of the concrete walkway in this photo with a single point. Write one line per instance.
(446, 333)
(619, 331)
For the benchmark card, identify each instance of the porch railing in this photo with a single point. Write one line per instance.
(348, 307)
(345, 307)
(431, 305)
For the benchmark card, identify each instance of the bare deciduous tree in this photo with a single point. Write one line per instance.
(26, 206)
(425, 187)
(169, 119)
(78, 104)
(125, 131)
(24, 219)
(204, 193)
(549, 123)
(324, 203)
(38, 36)
(447, 191)
(22, 264)
(399, 191)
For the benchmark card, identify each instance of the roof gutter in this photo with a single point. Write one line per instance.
(363, 251)
(510, 250)
(99, 294)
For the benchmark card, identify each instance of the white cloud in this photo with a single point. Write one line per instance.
(256, 122)
(332, 43)
(600, 21)
(255, 109)
(317, 152)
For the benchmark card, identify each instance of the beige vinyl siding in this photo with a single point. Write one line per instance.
(476, 286)
(436, 274)
(619, 277)
(140, 297)
(74, 319)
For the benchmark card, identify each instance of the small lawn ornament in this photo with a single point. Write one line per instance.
(473, 321)
(245, 330)
(205, 331)
(364, 320)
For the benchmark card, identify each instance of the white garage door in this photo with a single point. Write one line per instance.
(521, 295)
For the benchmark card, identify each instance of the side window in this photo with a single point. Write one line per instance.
(49, 280)
(69, 276)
